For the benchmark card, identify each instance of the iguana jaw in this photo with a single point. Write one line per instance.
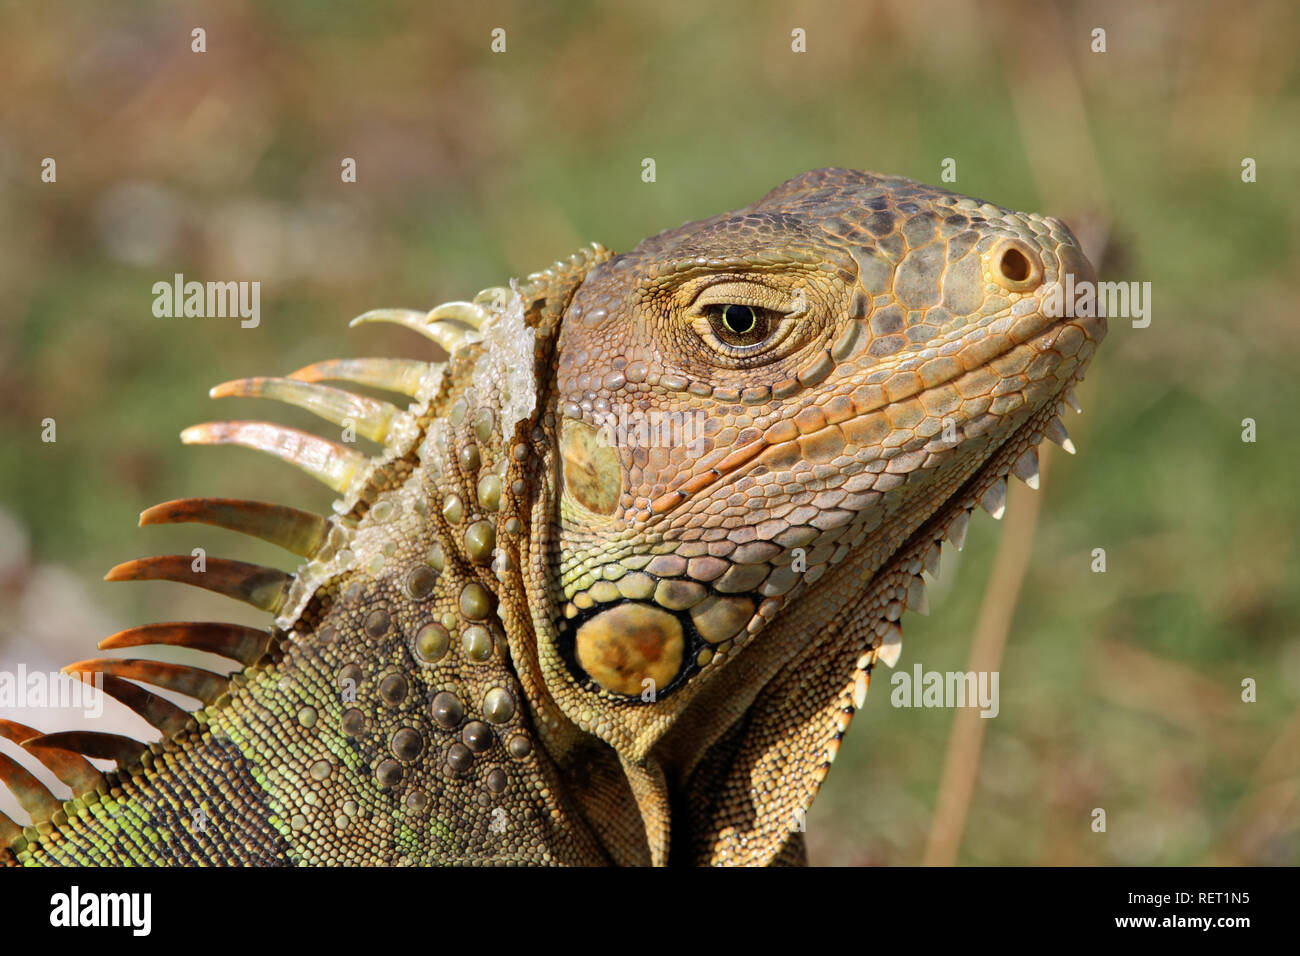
(811, 670)
(901, 543)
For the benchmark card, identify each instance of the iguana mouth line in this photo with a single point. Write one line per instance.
(987, 474)
(743, 460)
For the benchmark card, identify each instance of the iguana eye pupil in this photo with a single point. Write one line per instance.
(740, 325)
(739, 319)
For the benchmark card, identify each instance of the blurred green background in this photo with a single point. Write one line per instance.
(1119, 690)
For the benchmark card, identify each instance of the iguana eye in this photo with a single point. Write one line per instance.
(741, 325)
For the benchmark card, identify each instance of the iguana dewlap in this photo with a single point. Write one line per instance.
(614, 583)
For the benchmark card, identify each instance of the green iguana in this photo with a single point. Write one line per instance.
(615, 584)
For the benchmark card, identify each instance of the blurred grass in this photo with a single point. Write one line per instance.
(1119, 690)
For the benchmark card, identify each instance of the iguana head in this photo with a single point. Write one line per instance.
(757, 413)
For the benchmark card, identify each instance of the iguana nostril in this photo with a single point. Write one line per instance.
(1014, 265)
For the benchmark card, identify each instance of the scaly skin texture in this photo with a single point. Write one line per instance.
(616, 584)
